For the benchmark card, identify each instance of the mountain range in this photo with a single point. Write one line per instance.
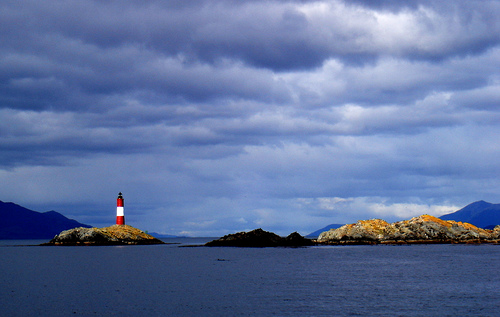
(480, 213)
(17, 222)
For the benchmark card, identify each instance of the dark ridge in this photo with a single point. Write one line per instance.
(17, 222)
(480, 213)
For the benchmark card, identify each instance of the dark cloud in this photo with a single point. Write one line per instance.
(285, 36)
(216, 116)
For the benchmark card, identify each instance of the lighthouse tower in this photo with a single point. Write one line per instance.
(120, 217)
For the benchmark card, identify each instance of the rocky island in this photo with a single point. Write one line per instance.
(259, 238)
(423, 229)
(113, 235)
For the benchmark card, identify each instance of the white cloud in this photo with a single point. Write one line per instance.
(352, 209)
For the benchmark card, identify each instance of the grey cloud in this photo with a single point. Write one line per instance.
(279, 38)
(218, 116)
(482, 98)
(104, 52)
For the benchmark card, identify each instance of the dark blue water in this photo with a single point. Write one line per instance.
(168, 280)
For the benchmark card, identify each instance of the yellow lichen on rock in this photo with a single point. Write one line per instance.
(113, 235)
(126, 232)
(432, 219)
(421, 229)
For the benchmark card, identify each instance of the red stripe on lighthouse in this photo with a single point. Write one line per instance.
(120, 220)
(120, 216)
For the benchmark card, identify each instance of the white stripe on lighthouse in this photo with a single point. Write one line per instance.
(119, 211)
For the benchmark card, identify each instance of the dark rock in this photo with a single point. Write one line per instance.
(259, 238)
(296, 240)
(255, 238)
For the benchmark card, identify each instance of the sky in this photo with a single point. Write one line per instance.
(214, 117)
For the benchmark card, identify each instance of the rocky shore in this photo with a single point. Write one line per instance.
(259, 238)
(424, 229)
(113, 235)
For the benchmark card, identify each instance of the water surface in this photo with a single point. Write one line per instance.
(172, 280)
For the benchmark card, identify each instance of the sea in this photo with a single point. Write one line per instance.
(183, 278)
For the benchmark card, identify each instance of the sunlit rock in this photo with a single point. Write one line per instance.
(421, 229)
(113, 235)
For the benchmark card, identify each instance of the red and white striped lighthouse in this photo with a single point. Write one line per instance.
(120, 217)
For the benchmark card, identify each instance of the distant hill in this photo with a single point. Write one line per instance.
(17, 222)
(480, 213)
(163, 236)
(316, 233)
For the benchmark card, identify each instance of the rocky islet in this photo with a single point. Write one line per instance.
(113, 235)
(423, 229)
(259, 238)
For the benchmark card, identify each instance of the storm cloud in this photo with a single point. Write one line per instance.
(220, 116)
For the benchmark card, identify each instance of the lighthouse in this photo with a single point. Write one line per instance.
(120, 217)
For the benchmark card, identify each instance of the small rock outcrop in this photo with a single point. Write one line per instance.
(294, 239)
(422, 229)
(259, 238)
(113, 235)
